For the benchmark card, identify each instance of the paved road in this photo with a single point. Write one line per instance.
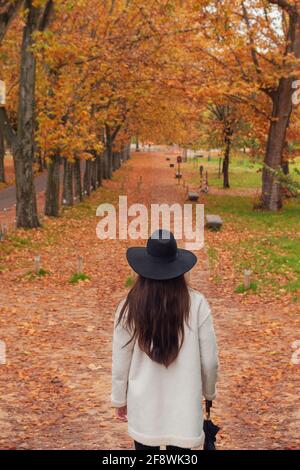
(8, 195)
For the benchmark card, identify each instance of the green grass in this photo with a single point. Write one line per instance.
(241, 289)
(87, 208)
(268, 243)
(77, 277)
(271, 258)
(129, 282)
(19, 242)
(212, 255)
(239, 209)
(14, 243)
(33, 275)
(244, 173)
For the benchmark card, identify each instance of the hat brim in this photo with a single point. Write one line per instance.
(155, 268)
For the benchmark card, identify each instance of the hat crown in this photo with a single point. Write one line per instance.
(162, 244)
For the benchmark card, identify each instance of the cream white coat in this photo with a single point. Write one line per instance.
(164, 405)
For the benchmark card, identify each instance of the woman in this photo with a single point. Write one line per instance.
(164, 350)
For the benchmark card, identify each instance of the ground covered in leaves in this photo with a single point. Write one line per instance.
(55, 387)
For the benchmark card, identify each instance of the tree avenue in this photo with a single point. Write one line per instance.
(83, 78)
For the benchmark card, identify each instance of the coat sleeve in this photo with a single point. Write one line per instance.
(208, 353)
(121, 360)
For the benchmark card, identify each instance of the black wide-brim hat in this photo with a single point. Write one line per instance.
(160, 259)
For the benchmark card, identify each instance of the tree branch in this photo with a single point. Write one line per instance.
(7, 15)
(253, 49)
(46, 16)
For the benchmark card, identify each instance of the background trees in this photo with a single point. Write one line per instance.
(84, 77)
(254, 51)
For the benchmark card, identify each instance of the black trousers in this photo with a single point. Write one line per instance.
(139, 446)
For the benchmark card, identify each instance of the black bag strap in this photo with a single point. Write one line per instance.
(208, 405)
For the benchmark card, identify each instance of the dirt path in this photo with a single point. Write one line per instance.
(55, 388)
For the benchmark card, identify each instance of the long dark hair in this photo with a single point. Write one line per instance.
(155, 313)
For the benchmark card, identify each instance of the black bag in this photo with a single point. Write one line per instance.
(210, 429)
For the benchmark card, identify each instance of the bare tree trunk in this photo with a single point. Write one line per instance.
(114, 161)
(285, 167)
(77, 178)
(271, 198)
(128, 151)
(109, 159)
(94, 174)
(2, 155)
(99, 159)
(53, 187)
(109, 155)
(22, 140)
(119, 160)
(8, 12)
(40, 162)
(225, 170)
(68, 191)
(87, 178)
(26, 208)
(105, 164)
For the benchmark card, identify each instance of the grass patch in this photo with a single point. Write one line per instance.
(31, 275)
(244, 172)
(129, 282)
(239, 210)
(241, 289)
(19, 242)
(212, 256)
(13, 243)
(87, 208)
(268, 243)
(77, 277)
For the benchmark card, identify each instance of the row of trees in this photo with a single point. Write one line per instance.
(82, 78)
(85, 76)
(251, 50)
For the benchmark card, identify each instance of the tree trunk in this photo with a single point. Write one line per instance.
(2, 155)
(53, 186)
(94, 174)
(105, 164)
(8, 15)
(114, 161)
(40, 162)
(109, 159)
(285, 167)
(271, 198)
(77, 179)
(225, 170)
(26, 208)
(128, 151)
(87, 178)
(68, 192)
(99, 160)
(118, 163)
